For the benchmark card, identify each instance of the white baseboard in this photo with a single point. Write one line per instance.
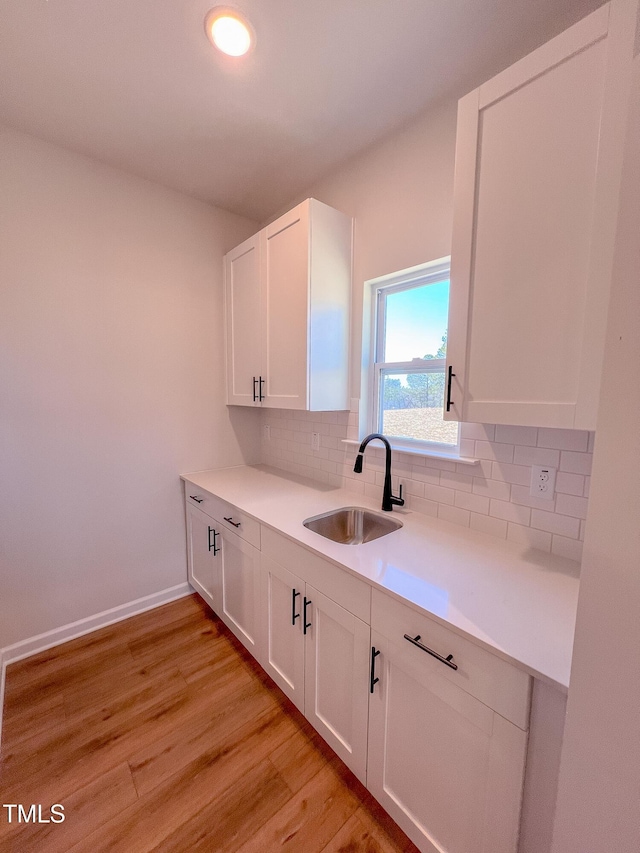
(57, 636)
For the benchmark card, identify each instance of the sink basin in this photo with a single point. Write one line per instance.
(352, 525)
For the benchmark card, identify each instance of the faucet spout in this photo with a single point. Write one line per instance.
(389, 500)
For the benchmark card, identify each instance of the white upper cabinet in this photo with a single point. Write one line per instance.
(538, 160)
(288, 295)
(243, 321)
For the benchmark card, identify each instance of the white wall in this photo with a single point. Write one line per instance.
(111, 370)
(598, 806)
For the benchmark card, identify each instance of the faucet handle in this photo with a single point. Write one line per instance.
(398, 501)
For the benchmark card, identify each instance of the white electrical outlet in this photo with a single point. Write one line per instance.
(315, 441)
(543, 482)
(267, 432)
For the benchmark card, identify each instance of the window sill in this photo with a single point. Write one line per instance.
(419, 451)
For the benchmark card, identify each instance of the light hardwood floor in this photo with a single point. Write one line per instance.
(161, 733)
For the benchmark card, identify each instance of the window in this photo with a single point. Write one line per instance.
(410, 311)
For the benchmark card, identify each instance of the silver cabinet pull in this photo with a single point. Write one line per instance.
(448, 661)
(235, 523)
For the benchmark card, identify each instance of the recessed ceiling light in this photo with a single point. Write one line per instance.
(228, 31)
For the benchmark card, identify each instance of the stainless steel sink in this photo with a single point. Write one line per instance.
(352, 525)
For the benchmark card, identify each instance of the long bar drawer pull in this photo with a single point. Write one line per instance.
(196, 499)
(235, 523)
(448, 661)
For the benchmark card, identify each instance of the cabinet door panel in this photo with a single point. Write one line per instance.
(527, 161)
(239, 568)
(203, 568)
(447, 768)
(243, 321)
(285, 307)
(336, 679)
(284, 642)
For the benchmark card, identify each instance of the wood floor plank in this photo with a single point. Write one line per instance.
(104, 736)
(85, 810)
(24, 719)
(300, 758)
(236, 815)
(183, 744)
(309, 819)
(50, 672)
(363, 834)
(162, 733)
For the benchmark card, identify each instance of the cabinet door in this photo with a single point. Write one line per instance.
(285, 276)
(281, 604)
(203, 568)
(447, 768)
(337, 656)
(239, 581)
(243, 322)
(526, 301)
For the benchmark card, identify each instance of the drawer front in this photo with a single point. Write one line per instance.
(225, 514)
(495, 682)
(336, 583)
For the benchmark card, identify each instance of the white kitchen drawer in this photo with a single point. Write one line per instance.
(225, 514)
(334, 582)
(495, 682)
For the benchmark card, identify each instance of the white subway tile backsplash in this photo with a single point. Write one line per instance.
(521, 495)
(491, 496)
(587, 486)
(563, 439)
(487, 524)
(494, 451)
(439, 494)
(484, 432)
(518, 474)
(536, 456)
(453, 514)
(528, 536)
(575, 463)
(426, 475)
(467, 447)
(475, 503)
(554, 523)
(491, 489)
(509, 511)
(462, 482)
(569, 484)
(517, 435)
(413, 487)
(425, 506)
(572, 505)
(570, 548)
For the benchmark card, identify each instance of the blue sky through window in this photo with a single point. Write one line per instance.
(416, 321)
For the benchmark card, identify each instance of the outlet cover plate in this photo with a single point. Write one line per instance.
(543, 482)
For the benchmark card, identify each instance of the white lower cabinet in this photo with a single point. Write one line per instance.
(224, 568)
(439, 740)
(317, 652)
(240, 589)
(203, 568)
(447, 767)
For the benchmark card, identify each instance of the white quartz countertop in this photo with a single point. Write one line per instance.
(518, 602)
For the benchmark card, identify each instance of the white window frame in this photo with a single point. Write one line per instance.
(429, 273)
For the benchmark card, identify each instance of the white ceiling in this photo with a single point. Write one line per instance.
(135, 83)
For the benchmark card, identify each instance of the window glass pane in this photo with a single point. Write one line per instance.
(411, 406)
(416, 323)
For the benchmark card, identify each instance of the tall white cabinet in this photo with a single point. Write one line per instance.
(538, 160)
(287, 306)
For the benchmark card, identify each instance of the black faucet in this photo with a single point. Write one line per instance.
(388, 500)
